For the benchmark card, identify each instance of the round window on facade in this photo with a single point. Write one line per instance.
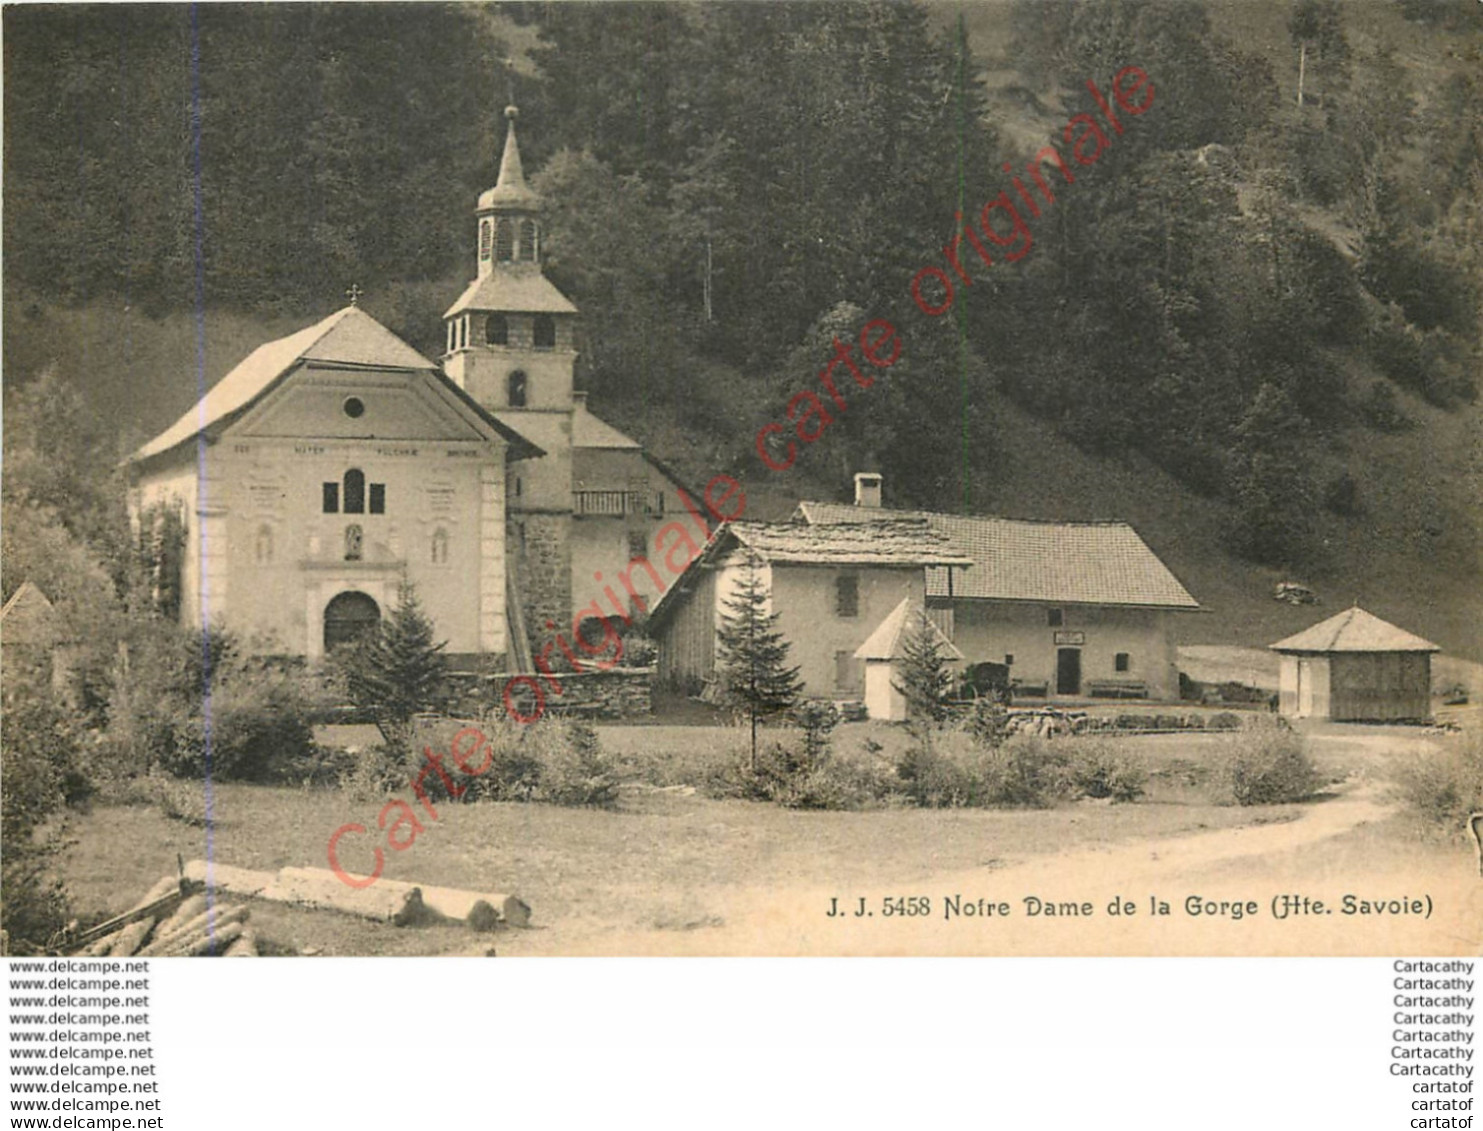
(354, 408)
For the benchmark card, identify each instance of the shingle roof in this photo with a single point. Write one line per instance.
(909, 544)
(888, 641)
(1354, 630)
(350, 336)
(1074, 563)
(517, 288)
(870, 543)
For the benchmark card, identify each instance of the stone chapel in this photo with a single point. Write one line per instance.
(329, 466)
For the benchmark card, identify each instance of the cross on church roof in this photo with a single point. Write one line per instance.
(354, 293)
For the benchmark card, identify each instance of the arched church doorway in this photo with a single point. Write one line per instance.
(347, 618)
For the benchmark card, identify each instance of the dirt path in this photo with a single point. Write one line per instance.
(1331, 851)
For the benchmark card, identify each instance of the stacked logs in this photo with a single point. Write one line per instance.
(179, 927)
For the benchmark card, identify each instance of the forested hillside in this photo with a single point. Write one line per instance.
(1257, 314)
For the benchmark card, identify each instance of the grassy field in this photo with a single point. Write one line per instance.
(667, 859)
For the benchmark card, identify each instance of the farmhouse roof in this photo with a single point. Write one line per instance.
(517, 288)
(886, 544)
(28, 617)
(1074, 563)
(888, 641)
(907, 543)
(350, 336)
(1354, 630)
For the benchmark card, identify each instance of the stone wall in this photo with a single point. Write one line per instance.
(545, 575)
(615, 694)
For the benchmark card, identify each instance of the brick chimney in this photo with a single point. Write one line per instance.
(867, 489)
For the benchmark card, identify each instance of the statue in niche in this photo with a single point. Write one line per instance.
(353, 542)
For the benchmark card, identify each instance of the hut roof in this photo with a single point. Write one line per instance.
(1354, 630)
(888, 641)
(29, 617)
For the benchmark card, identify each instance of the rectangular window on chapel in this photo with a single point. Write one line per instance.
(378, 498)
(1120, 662)
(331, 498)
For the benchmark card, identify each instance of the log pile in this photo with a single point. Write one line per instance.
(170, 922)
(173, 918)
(394, 901)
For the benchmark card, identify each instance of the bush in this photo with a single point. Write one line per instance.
(933, 778)
(180, 685)
(741, 778)
(1025, 773)
(374, 773)
(552, 760)
(258, 721)
(1268, 764)
(987, 722)
(817, 718)
(178, 800)
(833, 783)
(1099, 771)
(796, 780)
(39, 752)
(576, 772)
(1445, 786)
(639, 651)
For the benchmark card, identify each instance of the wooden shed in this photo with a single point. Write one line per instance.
(36, 637)
(1355, 667)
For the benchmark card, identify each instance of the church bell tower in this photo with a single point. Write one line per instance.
(510, 346)
(509, 337)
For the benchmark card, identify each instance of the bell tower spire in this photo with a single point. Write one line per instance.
(511, 342)
(509, 213)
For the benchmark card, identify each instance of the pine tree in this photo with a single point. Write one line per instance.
(397, 670)
(926, 680)
(1271, 480)
(753, 656)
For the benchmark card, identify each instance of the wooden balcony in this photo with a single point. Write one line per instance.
(617, 504)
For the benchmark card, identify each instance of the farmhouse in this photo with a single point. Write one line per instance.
(331, 464)
(1355, 667)
(1073, 609)
(831, 586)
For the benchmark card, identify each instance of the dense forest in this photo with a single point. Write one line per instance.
(733, 185)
